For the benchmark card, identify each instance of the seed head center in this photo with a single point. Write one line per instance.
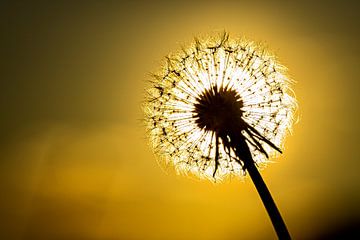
(219, 110)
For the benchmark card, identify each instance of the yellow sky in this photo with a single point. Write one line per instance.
(74, 161)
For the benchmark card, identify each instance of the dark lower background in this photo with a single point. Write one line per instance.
(74, 162)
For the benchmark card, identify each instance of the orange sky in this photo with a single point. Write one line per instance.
(74, 162)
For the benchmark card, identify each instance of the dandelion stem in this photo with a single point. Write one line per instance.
(268, 201)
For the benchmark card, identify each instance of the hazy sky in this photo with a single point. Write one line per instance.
(74, 162)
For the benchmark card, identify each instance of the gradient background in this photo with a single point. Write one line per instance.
(74, 162)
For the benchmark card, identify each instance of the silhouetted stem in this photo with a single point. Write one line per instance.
(272, 210)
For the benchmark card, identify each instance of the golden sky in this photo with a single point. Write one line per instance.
(74, 161)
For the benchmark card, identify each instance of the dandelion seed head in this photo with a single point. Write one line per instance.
(215, 87)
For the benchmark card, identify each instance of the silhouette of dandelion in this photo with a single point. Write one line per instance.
(219, 108)
(209, 91)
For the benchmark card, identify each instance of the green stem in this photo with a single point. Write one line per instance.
(265, 195)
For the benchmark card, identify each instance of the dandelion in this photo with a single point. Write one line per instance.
(221, 108)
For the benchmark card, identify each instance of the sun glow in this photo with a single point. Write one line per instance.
(207, 66)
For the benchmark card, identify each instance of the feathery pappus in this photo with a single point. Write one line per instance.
(212, 92)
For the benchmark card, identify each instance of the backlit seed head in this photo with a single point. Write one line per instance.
(214, 89)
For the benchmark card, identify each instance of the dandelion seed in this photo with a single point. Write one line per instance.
(210, 91)
(219, 108)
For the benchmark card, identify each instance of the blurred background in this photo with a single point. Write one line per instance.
(74, 161)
